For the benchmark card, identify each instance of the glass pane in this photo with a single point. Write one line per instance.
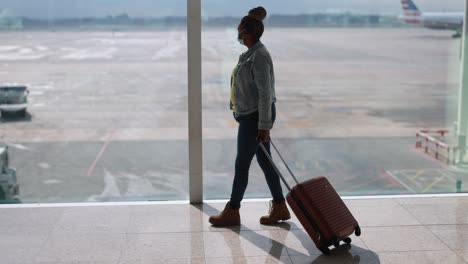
(106, 116)
(355, 82)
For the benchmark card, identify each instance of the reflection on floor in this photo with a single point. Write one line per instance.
(394, 230)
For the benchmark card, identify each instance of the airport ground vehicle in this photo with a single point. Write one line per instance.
(9, 188)
(13, 99)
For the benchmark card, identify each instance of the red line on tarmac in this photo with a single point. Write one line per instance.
(343, 180)
(393, 182)
(110, 135)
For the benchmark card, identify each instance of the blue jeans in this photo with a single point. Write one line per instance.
(247, 148)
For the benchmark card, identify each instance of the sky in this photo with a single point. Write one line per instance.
(210, 8)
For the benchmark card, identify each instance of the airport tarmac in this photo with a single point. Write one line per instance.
(108, 111)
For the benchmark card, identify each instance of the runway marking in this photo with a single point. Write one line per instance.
(101, 152)
(413, 181)
(419, 173)
(410, 178)
(393, 182)
(434, 183)
(400, 182)
(18, 146)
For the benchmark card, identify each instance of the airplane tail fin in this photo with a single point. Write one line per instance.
(410, 8)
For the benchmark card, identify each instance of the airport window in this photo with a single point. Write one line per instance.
(355, 82)
(106, 87)
(94, 97)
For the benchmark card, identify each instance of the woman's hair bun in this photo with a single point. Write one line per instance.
(258, 13)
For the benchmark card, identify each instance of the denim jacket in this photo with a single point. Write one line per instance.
(254, 85)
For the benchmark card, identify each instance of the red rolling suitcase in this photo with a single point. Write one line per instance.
(320, 209)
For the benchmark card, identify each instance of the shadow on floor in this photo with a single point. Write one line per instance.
(276, 247)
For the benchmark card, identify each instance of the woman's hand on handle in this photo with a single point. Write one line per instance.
(263, 135)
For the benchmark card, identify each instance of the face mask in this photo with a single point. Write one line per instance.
(241, 41)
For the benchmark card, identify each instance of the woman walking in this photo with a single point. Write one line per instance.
(253, 105)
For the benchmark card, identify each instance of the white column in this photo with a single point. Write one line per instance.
(195, 101)
(462, 124)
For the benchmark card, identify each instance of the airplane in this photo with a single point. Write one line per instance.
(444, 20)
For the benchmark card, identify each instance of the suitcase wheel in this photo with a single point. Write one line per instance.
(325, 250)
(357, 231)
(336, 244)
(347, 240)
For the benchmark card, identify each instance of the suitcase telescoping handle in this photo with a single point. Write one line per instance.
(301, 206)
(276, 168)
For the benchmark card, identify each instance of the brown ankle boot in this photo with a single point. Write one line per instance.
(228, 217)
(278, 212)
